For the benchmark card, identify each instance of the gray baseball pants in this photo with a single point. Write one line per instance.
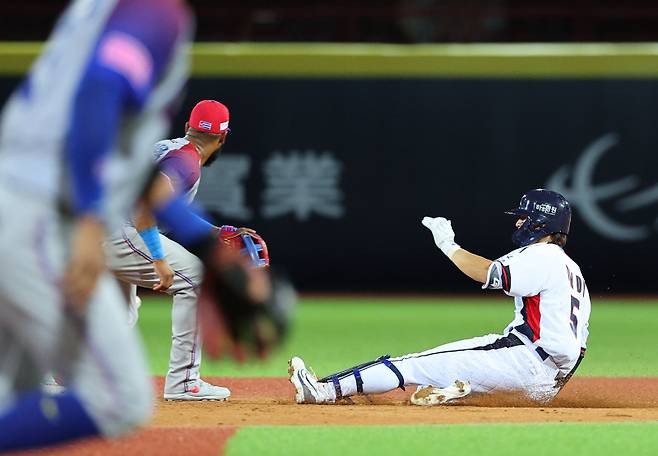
(96, 354)
(130, 261)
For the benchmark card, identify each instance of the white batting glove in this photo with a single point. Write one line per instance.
(444, 236)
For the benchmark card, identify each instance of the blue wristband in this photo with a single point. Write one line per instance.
(151, 237)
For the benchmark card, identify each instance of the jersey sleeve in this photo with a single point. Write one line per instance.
(181, 171)
(160, 150)
(136, 49)
(133, 50)
(522, 273)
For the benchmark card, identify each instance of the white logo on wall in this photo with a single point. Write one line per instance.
(585, 195)
(298, 183)
(302, 184)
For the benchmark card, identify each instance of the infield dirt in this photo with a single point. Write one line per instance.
(202, 428)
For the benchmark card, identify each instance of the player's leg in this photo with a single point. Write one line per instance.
(18, 369)
(30, 417)
(117, 388)
(130, 261)
(42, 337)
(382, 374)
(422, 368)
(498, 364)
(101, 361)
(183, 380)
(489, 363)
(30, 313)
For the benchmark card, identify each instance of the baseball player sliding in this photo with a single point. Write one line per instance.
(138, 254)
(536, 354)
(72, 169)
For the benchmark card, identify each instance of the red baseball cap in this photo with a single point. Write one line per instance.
(209, 116)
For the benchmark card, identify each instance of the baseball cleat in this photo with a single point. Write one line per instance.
(308, 389)
(429, 395)
(202, 391)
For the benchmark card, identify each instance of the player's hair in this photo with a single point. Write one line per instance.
(559, 239)
(202, 135)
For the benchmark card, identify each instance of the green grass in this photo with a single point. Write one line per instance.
(573, 439)
(336, 333)
(332, 334)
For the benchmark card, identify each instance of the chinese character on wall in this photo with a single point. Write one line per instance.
(302, 184)
(298, 183)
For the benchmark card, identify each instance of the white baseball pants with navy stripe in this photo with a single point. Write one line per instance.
(486, 362)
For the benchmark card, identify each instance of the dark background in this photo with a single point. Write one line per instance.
(400, 21)
(464, 149)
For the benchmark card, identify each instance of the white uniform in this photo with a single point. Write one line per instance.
(552, 305)
(98, 356)
(542, 345)
(129, 259)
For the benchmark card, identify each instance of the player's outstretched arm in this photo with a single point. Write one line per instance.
(474, 266)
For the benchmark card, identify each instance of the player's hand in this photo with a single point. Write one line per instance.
(165, 274)
(444, 236)
(86, 263)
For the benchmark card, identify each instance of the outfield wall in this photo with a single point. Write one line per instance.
(337, 151)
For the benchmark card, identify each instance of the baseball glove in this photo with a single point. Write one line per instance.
(247, 242)
(243, 310)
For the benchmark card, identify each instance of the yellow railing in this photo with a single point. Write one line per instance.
(282, 60)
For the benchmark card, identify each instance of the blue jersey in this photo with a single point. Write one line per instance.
(79, 128)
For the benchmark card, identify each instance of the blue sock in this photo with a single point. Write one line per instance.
(37, 419)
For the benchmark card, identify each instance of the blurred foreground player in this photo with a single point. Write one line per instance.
(72, 165)
(536, 354)
(138, 253)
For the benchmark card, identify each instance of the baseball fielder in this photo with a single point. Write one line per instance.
(141, 256)
(536, 354)
(72, 164)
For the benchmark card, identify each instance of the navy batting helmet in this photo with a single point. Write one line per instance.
(547, 212)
